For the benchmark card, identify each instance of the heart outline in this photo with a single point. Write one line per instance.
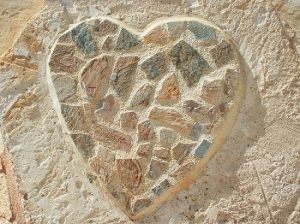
(221, 133)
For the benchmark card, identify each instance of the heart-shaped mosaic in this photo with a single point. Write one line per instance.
(146, 110)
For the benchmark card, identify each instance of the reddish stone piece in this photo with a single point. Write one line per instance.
(108, 44)
(144, 150)
(112, 138)
(107, 107)
(172, 118)
(96, 75)
(169, 91)
(123, 75)
(63, 59)
(194, 109)
(145, 131)
(130, 173)
(105, 27)
(128, 120)
(159, 35)
(213, 91)
(180, 151)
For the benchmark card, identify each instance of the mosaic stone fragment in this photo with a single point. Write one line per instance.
(222, 53)
(83, 40)
(143, 96)
(123, 75)
(180, 151)
(189, 62)
(126, 40)
(201, 31)
(130, 173)
(202, 148)
(154, 66)
(157, 168)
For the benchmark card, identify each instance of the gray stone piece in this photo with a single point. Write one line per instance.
(154, 66)
(126, 40)
(190, 63)
(201, 31)
(202, 148)
(83, 40)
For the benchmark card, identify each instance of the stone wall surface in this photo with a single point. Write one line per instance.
(44, 173)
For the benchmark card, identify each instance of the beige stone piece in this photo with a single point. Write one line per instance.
(169, 92)
(172, 118)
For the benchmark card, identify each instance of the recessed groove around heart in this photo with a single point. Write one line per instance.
(146, 110)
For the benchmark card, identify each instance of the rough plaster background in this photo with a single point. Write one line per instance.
(253, 179)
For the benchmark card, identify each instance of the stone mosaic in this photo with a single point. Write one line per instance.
(143, 110)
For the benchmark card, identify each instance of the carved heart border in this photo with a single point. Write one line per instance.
(147, 110)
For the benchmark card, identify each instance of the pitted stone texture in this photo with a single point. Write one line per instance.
(190, 63)
(158, 35)
(201, 31)
(74, 117)
(145, 150)
(154, 66)
(167, 137)
(123, 75)
(162, 153)
(212, 91)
